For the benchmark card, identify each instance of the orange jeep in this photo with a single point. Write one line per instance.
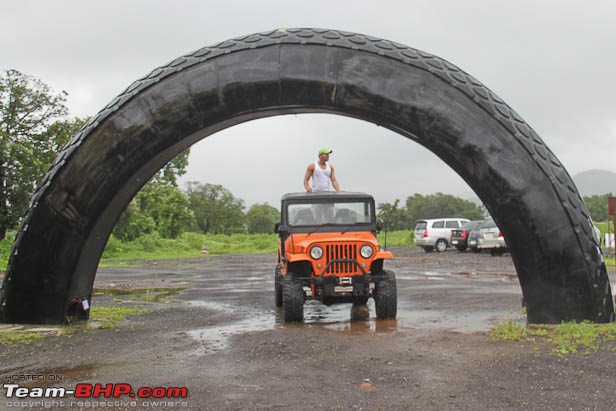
(328, 251)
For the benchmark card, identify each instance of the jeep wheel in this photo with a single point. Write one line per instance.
(360, 300)
(386, 296)
(292, 299)
(359, 312)
(441, 245)
(278, 286)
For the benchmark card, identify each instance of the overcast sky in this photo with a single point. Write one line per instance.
(554, 62)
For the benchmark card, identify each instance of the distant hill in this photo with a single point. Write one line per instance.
(593, 182)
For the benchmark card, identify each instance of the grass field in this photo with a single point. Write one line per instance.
(190, 245)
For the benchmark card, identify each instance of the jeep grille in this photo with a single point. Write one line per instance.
(336, 252)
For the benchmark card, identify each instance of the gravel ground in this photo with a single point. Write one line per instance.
(210, 325)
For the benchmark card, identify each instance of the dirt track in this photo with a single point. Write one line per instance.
(211, 326)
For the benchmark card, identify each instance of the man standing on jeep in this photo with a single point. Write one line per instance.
(322, 173)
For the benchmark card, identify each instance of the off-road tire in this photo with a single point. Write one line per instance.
(278, 286)
(360, 300)
(292, 299)
(386, 296)
(289, 71)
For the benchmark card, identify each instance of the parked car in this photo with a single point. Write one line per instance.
(435, 234)
(491, 238)
(459, 237)
(473, 239)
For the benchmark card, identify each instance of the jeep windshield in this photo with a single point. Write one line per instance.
(332, 213)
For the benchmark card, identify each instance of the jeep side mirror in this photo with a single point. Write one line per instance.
(280, 229)
(379, 225)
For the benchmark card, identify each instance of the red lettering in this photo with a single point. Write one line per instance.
(159, 392)
(177, 392)
(121, 389)
(83, 390)
(144, 392)
(107, 391)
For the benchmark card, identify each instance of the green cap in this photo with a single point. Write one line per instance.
(325, 151)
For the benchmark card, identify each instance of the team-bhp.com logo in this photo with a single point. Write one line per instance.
(95, 395)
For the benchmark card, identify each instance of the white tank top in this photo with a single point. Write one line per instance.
(321, 177)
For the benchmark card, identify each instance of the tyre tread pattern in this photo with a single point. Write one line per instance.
(292, 299)
(278, 286)
(560, 180)
(386, 296)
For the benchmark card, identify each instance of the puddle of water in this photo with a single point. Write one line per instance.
(472, 275)
(346, 318)
(433, 319)
(339, 317)
(217, 306)
(151, 295)
(318, 314)
(217, 337)
(243, 279)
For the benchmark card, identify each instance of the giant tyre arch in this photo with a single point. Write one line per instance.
(420, 96)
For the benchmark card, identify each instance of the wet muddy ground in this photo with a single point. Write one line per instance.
(210, 325)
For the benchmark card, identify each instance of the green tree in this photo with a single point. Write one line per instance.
(216, 210)
(261, 218)
(169, 207)
(173, 169)
(29, 139)
(133, 222)
(394, 217)
(58, 134)
(158, 207)
(597, 206)
(442, 205)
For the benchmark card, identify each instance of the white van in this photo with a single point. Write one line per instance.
(435, 233)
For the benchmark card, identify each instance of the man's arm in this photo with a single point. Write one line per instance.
(333, 178)
(309, 171)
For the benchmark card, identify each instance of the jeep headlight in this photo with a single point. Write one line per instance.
(316, 252)
(366, 251)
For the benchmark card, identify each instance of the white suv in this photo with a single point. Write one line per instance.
(436, 233)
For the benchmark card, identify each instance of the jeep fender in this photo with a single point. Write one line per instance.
(381, 255)
(294, 258)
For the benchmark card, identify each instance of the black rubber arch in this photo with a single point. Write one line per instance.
(420, 96)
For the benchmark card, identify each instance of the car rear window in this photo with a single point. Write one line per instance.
(469, 225)
(452, 224)
(489, 223)
(421, 225)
